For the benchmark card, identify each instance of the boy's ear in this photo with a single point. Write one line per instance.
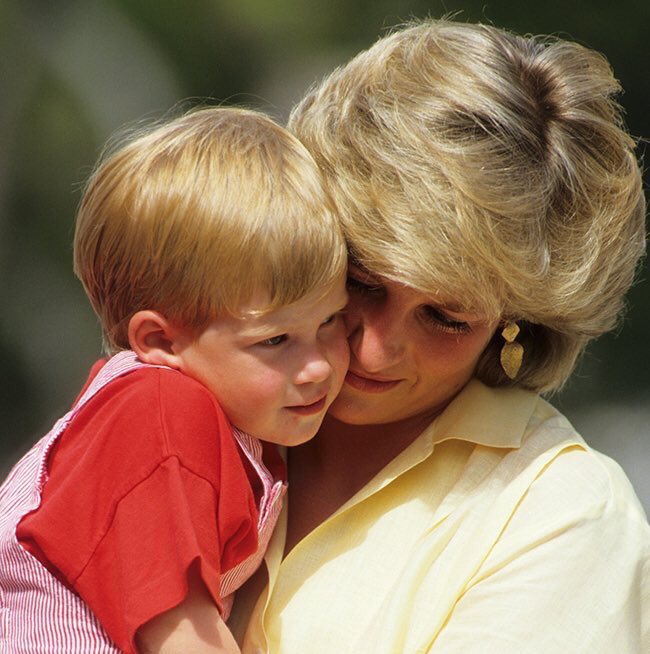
(154, 339)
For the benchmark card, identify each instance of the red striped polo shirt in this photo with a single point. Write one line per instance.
(101, 519)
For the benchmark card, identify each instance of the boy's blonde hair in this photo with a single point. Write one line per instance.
(491, 168)
(194, 217)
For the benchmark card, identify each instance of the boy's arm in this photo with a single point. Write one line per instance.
(193, 626)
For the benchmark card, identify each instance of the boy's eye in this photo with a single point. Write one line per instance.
(274, 340)
(330, 319)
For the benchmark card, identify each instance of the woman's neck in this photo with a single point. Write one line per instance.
(327, 471)
(357, 453)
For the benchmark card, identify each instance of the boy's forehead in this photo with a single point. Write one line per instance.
(255, 317)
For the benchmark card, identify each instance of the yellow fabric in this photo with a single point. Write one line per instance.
(497, 531)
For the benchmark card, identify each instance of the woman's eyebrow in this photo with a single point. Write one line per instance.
(361, 268)
(354, 260)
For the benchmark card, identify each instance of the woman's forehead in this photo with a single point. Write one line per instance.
(438, 297)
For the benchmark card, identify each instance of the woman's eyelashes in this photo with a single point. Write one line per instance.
(430, 315)
(437, 318)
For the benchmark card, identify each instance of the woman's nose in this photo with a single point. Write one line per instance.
(377, 341)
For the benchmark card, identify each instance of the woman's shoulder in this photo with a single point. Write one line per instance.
(548, 480)
(560, 492)
(574, 472)
(561, 505)
(524, 447)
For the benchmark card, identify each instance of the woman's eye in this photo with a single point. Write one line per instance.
(274, 340)
(441, 321)
(356, 285)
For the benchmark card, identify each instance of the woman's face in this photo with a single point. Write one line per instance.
(410, 354)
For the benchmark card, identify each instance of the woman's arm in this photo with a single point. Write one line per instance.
(192, 627)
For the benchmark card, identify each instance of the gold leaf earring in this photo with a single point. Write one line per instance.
(512, 353)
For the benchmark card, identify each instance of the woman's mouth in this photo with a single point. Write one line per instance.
(368, 384)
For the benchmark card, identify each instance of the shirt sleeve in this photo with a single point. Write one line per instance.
(139, 569)
(146, 481)
(568, 574)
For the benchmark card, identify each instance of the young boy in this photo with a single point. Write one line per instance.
(210, 253)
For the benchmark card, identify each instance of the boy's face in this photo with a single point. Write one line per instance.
(274, 375)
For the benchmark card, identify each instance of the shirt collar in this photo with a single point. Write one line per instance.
(495, 417)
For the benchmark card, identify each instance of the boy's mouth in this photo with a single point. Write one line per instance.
(309, 409)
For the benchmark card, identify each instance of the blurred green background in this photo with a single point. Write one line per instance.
(73, 71)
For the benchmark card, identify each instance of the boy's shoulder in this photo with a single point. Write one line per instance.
(159, 406)
(147, 387)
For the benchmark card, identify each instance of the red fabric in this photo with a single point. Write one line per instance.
(145, 481)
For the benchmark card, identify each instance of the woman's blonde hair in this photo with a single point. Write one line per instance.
(194, 217)
(491, 168)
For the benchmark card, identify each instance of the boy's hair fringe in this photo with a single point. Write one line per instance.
(194, 216)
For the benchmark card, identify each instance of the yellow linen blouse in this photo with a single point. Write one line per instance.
(498, 530)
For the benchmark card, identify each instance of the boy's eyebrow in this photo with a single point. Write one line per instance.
(266, 327)
(260, 329)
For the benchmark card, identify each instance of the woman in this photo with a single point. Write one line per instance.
(495, 216)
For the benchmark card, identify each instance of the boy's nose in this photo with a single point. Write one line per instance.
(315, 369)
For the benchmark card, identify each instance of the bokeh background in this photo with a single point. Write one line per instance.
(74, 71)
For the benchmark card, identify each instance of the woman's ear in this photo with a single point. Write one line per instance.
(154, 339)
